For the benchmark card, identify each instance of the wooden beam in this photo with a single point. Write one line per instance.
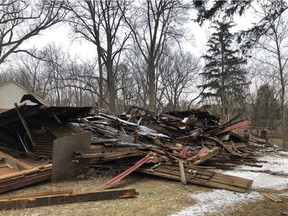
(201, 177)
(126, 172)
(25, 125)
(37, 194)
(23, 173)
(19, 163)
(58, 199)
(182, 172)
(20, 182)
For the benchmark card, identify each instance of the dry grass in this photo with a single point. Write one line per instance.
(157, 196)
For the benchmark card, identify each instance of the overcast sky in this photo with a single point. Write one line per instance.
(61, 35)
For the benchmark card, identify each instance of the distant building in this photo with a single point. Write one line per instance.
(12, 92)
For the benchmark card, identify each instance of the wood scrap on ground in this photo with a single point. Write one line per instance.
(272, 197)
(186, 146)
(62, 197)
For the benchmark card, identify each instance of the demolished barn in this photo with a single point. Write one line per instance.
(186, 146)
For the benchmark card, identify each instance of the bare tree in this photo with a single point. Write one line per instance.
(153, 25)
(28, 71)
(178, 72)
(126, 87)
(101, 23)
(275, 52)
(21, 20)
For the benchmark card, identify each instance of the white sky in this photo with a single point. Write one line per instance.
(61, 35)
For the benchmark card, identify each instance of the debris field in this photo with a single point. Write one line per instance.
(40, 143)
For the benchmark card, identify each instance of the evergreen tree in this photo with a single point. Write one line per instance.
(266, 110)
(223, 73)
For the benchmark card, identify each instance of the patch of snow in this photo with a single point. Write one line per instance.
(272, 175)
(217, 200)
(273, 163)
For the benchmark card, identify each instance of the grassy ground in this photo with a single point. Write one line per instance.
(156, 197)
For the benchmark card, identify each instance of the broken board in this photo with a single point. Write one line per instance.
(201, 177)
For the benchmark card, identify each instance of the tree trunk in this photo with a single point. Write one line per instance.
(111, 86)
(151, 87)
(283, 111)
(282, 80)
(101, 99)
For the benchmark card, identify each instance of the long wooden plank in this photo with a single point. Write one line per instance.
(25, 181)
(126, 172)
(25, 125)
(38, 194)
(66, 199)
(214, 180)
(215, 177)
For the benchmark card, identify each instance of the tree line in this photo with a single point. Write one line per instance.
(140, 56)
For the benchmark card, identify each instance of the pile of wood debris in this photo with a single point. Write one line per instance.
(42, 143)
(186, 145)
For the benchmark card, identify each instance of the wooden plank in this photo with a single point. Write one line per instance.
(207, 179)
(230, 150)
(12, 184)
(182, 172)
(25, 125)
(38, 194)
(57, 199)
(20, 174)
(20, 163)
(272, 197)
(205, 155)
(122, 175)
(231, 127)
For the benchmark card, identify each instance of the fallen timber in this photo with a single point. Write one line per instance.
(201, 177)
(174, 140)
(62, 197)
(24, 178)
(185, 146)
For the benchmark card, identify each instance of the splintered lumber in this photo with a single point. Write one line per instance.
(24, 178)
(182, 172)
(201, 177)
(25, 125)
(203, 155)
(272, 197)
(20, 174)
(126, 172)
(230, 150)
(19, 164)
(24, 181)
(55, 198)
(227, 128)
(37, 194)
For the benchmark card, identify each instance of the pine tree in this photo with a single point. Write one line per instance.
(266, 110)
(223, 73)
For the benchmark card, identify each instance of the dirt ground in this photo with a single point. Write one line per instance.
(157, 196)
